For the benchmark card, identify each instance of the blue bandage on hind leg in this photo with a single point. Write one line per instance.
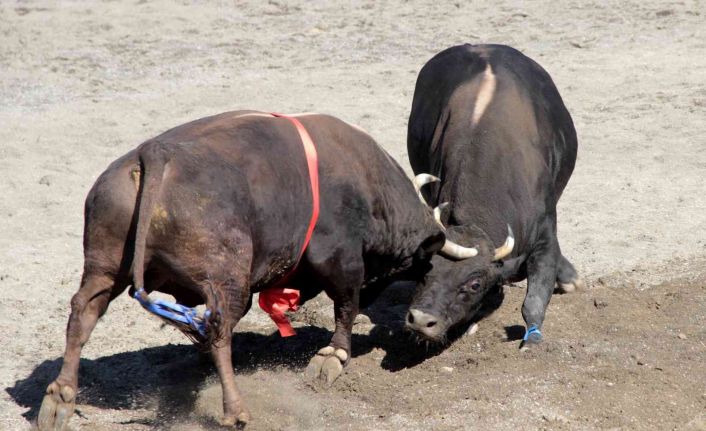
(173, 311)
(533, 329)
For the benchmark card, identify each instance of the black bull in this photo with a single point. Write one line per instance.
(217, 209)
(490, 124)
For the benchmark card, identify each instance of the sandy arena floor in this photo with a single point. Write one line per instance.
(81, 83)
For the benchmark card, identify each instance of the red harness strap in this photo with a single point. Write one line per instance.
(276, 300)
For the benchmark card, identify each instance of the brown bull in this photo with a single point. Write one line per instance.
(215, 210)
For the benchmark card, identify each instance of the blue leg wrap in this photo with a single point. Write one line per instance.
(533, 329)
(175, 312)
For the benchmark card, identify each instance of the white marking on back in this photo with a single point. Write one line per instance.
(254, 114)
(357, 127)
(485, 94)
(306, 114)
(300, 114)
(265, 114)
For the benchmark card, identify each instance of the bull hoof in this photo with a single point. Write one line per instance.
(532, 336)
(238, 421)
(227, 421)
(57, 407)
(574, 285)
(327, 365)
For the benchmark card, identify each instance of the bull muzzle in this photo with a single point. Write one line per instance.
(425, 324)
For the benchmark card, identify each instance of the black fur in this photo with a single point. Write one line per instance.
(509, 168)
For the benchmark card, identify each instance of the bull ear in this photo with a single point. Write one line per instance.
(510, 269)
(430, 246)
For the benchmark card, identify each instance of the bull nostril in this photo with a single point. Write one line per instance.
(421, 320)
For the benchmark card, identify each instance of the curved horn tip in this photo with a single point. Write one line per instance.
(439, 208)
(455, 251)
(437, 214)
(420, 180)
(505, 249)
(425, 178)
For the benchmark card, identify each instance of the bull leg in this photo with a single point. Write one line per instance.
(567, 278)
(343, 282)
(237, 300)
(87, 305)
(234, 410)
(541, 278)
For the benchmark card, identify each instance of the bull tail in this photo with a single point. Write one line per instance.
(153, 158)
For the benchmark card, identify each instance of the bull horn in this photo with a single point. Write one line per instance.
(455, 251)
(437, 214)
(419, 182)
(450, 248)
(505, 249)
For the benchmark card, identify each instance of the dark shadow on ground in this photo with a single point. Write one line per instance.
(514, 332)
(167, 379)
(403, 349)
(125, 380)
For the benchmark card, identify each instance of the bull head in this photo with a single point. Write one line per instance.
(453, 290)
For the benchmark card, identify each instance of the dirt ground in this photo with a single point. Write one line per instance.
(81, 83)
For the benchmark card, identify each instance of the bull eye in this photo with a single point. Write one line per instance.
(467, 290)
(475, 286)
